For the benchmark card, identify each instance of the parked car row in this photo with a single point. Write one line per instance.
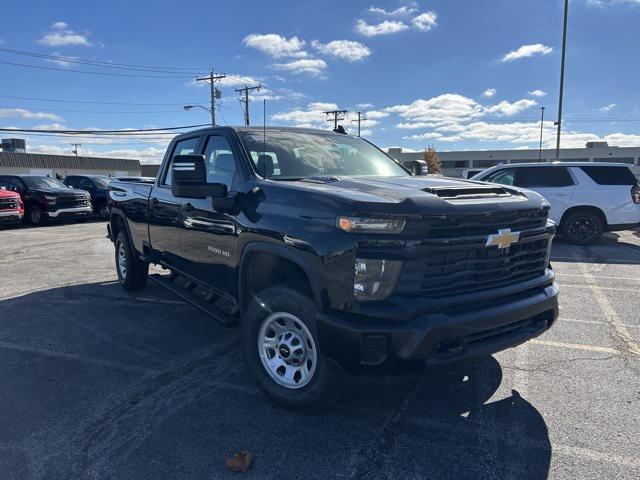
(587, 198)
(38, 199)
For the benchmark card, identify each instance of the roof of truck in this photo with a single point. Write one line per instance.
(260, 128)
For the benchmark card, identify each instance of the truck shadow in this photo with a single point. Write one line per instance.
(155, 389)
(447, 427)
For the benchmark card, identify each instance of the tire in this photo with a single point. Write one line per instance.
(103, 212)
(36, 216)
(297, 376)
(132, 273)
(582, 227)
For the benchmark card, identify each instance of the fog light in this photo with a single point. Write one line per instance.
(375, 279)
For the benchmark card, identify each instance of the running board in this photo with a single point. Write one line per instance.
(199, 296)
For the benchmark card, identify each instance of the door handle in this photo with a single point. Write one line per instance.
(187, 207)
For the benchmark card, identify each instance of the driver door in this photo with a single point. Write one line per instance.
(209, 236)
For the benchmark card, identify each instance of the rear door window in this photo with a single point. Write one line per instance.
(543, 177)
(610, 175)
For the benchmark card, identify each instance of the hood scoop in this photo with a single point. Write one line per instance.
(468, 192)
(321, 179)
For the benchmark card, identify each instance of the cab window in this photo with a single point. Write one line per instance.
(220, 161)
(182, 147)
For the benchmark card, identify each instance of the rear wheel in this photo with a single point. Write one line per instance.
(281, 349)
(582, 227)
(132, 272)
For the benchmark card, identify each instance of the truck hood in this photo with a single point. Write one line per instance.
(8, 194)
(419, 194)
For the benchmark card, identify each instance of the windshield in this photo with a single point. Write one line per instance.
(286, 155)
(43, 182)
(101, 182)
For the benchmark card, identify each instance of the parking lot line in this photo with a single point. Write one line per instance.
(581, 285)
(593, 322)
(575, 346)
(610, 314)
(605, 277)
(75, 358)
(618, 261)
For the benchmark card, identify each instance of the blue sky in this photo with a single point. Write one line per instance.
(452, 73)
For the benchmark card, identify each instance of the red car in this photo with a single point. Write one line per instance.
(11, 207)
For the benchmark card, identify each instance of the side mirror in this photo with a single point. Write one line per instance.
(190, 178)
(416, 167)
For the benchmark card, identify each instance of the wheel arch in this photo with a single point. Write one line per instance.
(290, 266)
(592, 208)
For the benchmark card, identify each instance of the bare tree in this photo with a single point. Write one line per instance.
(433, 160)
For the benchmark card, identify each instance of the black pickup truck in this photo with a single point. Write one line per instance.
(332, 258)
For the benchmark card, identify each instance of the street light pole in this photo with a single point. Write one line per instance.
(564, 51)
(541, 127)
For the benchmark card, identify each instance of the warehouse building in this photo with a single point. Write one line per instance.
(467, 163)
(16, 160)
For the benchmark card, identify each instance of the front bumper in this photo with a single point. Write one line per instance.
(73, 212)
(10, 217)
(439, 336)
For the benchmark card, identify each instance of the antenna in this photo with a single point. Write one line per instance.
(264, 135)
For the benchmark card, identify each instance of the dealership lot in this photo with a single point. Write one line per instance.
(100, 383)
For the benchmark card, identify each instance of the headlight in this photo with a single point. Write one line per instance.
(370, 225)
(50, 199)
(375, 279)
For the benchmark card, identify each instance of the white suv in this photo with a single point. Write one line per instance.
(587, 198)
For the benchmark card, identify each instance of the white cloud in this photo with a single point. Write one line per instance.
(376, 114)
(65, 61)
(608, 108)
(343, 49)
(311, 66)
(313, 116)
(276, 45)
(449, 107)
(425, 21)
(62, 36)
(398, 12)
(537, 93)
(27, 114)
(526, 51)
(386, 27)
(489, 92)
(364, 105)
(509, 109)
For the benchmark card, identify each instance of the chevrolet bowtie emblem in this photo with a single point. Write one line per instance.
(503, 239)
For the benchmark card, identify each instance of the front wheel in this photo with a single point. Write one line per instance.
(36, 216)
(280, 344)
(132, 273)
(104, 212)
(582, 227)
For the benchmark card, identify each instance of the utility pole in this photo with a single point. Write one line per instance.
(541, 126)
(336, 117)
(564, 51)
(360, 120)
(212, 79)
(75, 147)
(245, 100)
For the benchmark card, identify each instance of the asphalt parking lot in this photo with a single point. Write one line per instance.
(99, 383)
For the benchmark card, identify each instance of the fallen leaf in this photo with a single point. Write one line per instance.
(240, 462)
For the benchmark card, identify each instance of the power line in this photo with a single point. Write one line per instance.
(89, 72)
(97, 102)
(133, 130)
(85, 61)
(100, 111)
(359, 120)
